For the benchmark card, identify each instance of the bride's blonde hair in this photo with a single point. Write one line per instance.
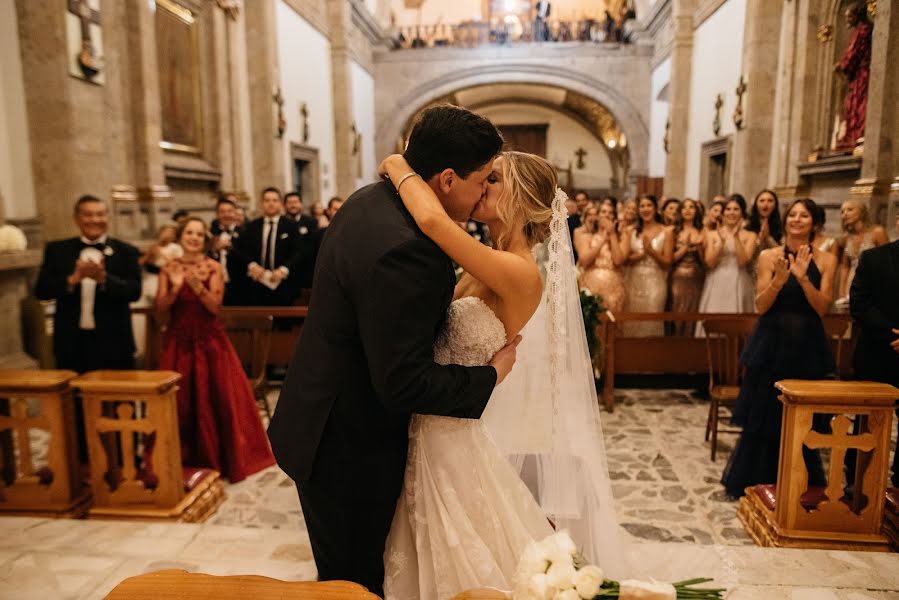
(529, 188)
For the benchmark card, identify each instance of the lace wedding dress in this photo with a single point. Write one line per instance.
(464, 516)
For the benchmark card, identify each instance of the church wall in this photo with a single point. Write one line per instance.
(716, 66)
(16, 184)
(659, 114)
(563, 137)
(305, 59)
(363, 86)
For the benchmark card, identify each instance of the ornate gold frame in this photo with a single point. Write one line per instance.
(188, 17)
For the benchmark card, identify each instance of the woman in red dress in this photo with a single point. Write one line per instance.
(218, 420)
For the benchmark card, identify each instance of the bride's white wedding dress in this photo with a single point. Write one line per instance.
(464, 516)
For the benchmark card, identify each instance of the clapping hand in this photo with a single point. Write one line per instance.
(800, 262)
(92, 270)
(781, 271)
(194, 282)
(175, 272)
(895, 343)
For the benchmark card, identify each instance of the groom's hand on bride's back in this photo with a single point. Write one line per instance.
(504, 360)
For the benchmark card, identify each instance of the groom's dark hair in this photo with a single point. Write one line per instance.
(450, 137)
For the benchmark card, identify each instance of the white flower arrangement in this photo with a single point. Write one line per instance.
(12, 239)
(553, 569)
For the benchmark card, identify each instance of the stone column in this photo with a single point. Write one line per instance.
(264, 78)
(679, 106)
(340, 24)
(751, 158)
(880, 164)
(151, 192)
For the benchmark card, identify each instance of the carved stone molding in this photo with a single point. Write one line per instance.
(704, 10)
(231, 8)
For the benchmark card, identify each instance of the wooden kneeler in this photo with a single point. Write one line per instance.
(54, 490)
(793, 515)
(139, 476)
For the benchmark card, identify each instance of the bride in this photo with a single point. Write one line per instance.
(476, 492)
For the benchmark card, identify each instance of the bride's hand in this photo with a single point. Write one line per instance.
(391, 164)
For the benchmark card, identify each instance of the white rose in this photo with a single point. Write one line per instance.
(561, 576)
(631, 589)
(587, 581)
(532, 561)
(534, 587)
(567, 595)
(559, 545)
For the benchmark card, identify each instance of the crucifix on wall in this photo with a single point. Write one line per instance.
(738, 111)
(304, 118)
(580, 153)
(84, 40)
(280, 121)
(716, 124)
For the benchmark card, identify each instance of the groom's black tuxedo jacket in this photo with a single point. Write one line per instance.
(874, 303)
(364, 361)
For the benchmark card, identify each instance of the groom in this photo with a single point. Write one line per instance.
(365, 360)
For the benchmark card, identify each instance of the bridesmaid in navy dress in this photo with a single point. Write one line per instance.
(795, 283)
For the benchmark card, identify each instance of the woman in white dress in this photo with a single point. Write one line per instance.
(728, 254)
(859, 236)
(465, 515)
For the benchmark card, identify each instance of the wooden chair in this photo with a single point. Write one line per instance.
(251, 337)
(724, 344)
(180, 585)
(836, 329)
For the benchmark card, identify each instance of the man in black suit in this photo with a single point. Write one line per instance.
(268, 252)
(365, 359)
(308, 238)
(225, 232)
(93, 278)
(874, 304)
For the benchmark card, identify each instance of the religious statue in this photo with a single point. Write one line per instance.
(855, 66)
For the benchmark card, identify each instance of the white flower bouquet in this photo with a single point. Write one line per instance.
(12, 239)
(554, 570)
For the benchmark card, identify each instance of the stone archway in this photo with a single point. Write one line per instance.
(392, 118)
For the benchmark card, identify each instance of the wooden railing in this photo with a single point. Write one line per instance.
(678, 355)
(670, 354)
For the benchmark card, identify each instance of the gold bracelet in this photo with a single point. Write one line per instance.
(404, 178)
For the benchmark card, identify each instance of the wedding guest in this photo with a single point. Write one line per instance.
(651, 253)
(574, 221)
(874, 304)
(240, 216)
(859, 235)
(765, 221)
(179, 216)
(688, 271)
(823, 242)
(269, 256)
(727, 253)
(788, 342)
(225, 232)
(163, 249)
(670, 212)
(318, 213)
(601, 253)
(582, 200)
(93, 278)
(218, 421)
(293, 209)
(627, 218)
(334, 205)
(714, 215)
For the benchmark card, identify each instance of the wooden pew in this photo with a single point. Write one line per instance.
(794, 515)
(282, 344)
(678, 355)
(139, 476)
(55, 490)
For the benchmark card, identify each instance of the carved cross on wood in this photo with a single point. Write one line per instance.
(666, 141)
(838, 442)
(21, 424)
(738, 111)
(88, 16)
(716, 124)
(304, 113)
(580, 153)
(278, 99)
(125, 425)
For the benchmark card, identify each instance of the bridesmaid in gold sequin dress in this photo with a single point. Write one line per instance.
(601, 253)
(688, 272)
(651, 253)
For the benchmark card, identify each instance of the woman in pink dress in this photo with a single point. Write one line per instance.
(219, 423)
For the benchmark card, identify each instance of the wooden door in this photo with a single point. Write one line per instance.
(525, 138)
